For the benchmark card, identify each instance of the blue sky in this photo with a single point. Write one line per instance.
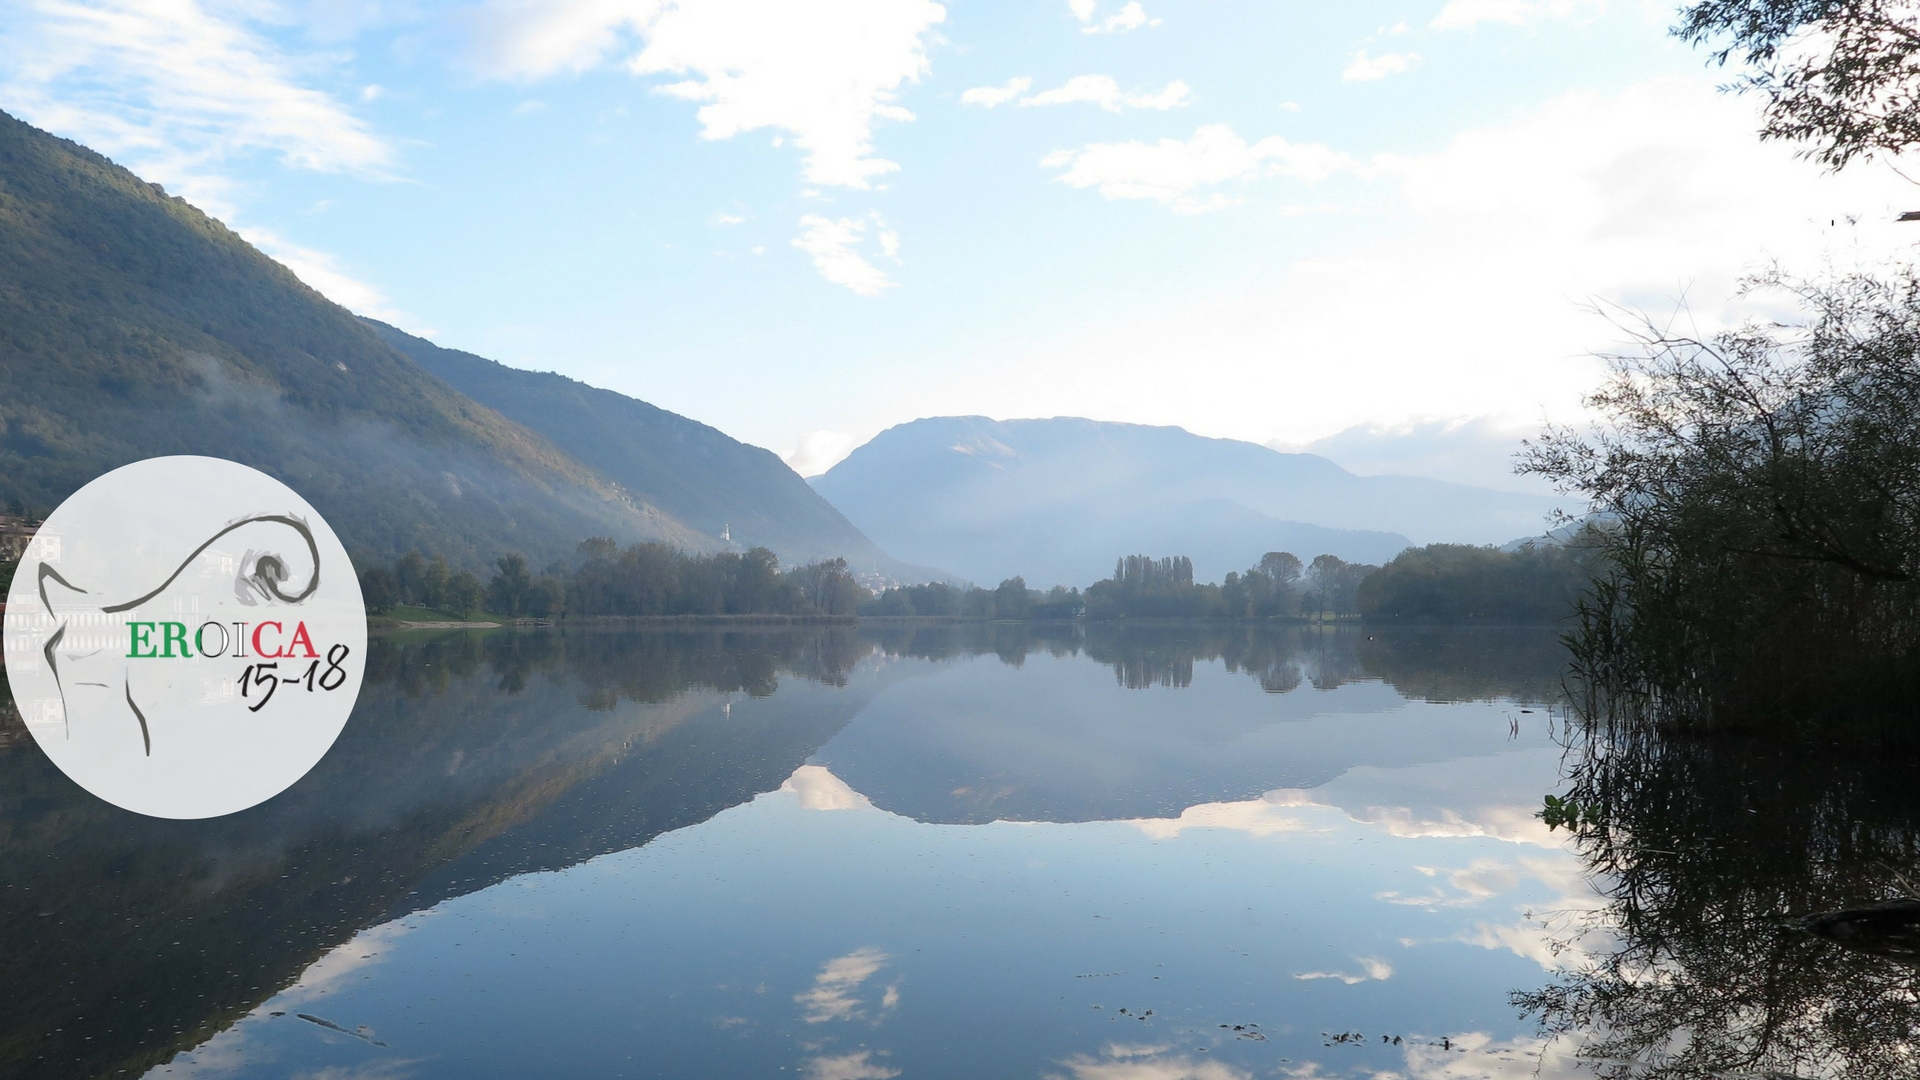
(1374, 229)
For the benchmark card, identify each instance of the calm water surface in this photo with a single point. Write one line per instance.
(942, 852)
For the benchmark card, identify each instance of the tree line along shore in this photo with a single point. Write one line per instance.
(1436, 583)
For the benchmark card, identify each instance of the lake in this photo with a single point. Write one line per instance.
(1098, 853)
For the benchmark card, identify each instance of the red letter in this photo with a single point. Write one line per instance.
(259, 649)
(301, 639)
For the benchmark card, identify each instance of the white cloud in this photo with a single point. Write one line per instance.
(855, 1066)
(1118, 1062)
(1475, 1055)
(337, 965)
(729, 219)
(1173, 95)
(1448, 800)
(834, 244)
(1178, 173)
(174, 90)
(1557, 934)
(1460, 14)
(1130, 17)
(834, 990)
(990, 96)
(1464, 449)
(821, 72)
(1487, 253)
(323, 273)
(1364, 68)
(819, 451)
(1570, 937)
(816, 788)
(1372, 969)
(1101, 90)
(1483, 879)
(1255, 817)
(527, 40)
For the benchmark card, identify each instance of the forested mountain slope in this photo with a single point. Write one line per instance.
(1057, 500)
(696, 473)
(133, 325)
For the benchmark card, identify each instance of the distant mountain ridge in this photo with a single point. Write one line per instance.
(1056, 500)
(694, 472)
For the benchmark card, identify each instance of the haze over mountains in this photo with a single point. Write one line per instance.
(1056, 500)
(696, 473)
(132, 325)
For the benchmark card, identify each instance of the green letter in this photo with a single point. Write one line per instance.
(138, 640)
(170, 633)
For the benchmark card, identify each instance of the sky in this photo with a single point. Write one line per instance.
(1397, 233)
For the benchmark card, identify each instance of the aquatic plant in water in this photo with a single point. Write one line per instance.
(1755, 911)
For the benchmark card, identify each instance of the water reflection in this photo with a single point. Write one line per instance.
(1427, 664)
(641, 667)
(475, 762)
(1302, 707)
(469, 759)
(1711, 855)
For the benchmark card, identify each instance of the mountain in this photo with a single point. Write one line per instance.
(133, 325)
(687, 469)
(1058, 500)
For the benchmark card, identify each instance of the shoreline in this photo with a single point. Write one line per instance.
(384, 624)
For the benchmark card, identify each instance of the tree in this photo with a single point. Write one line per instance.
(1059, 602)
(546, 597)
(1145, 587)
(377, 590)
(433, 584)
(1333, 584)
(1758, 495)
(1010, 599)
(1457, 582)
(1322, 581)
(756, 583)
(1234, 602)
(409, 574)
(1841, 74)
(1271, 587)
(463, 594)
(1280, 567)
(828, 588)
(896, 602)
(506, 593)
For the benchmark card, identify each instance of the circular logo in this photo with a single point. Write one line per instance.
(185, 637)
